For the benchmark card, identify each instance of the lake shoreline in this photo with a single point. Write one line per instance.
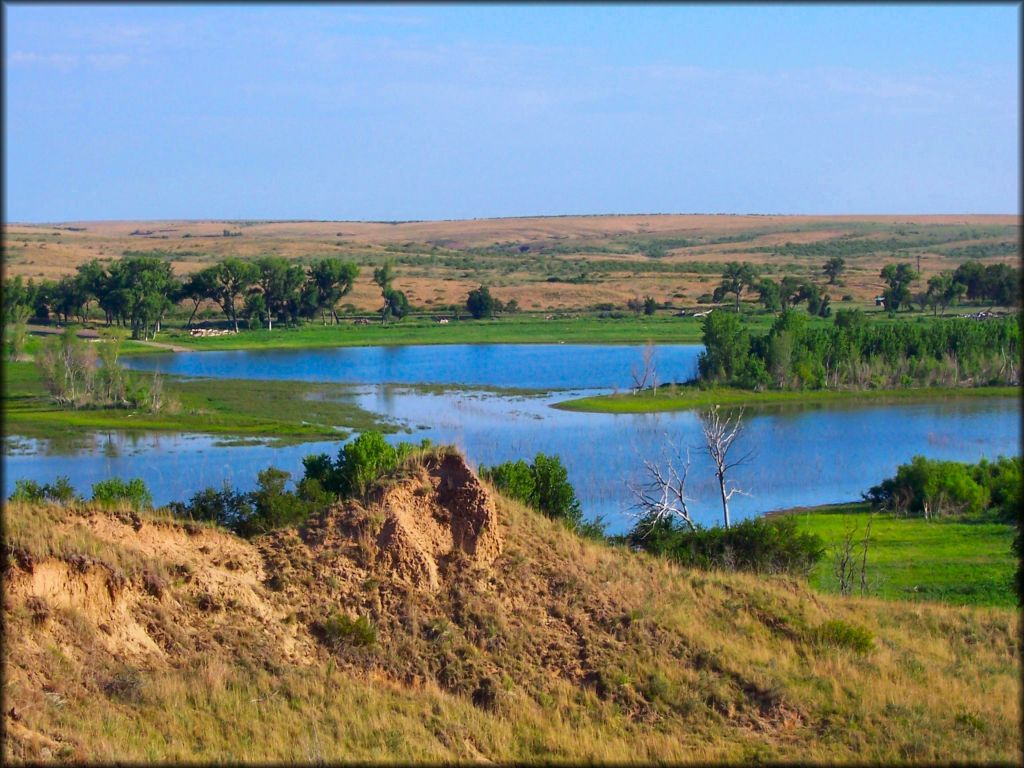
(646, 402)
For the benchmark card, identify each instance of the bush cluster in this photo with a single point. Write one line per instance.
(758, 545)
(114, 492)
(360, 463)
(932, 487)
(266, 508)
(58, 492)
(339, 629)
(543, 485)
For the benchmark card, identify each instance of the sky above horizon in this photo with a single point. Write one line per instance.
(403, 112)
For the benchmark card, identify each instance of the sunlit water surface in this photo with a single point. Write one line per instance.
(798, 455)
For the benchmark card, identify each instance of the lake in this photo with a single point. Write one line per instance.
(800, 455)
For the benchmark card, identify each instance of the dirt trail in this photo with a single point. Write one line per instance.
(92, 333)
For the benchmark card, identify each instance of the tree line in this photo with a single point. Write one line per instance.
(855, 353)
(999, 284)
(138, 292)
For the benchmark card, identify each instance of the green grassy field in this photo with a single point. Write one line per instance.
(246, 408)
(528, 330)
(955, 561)
(683, 398)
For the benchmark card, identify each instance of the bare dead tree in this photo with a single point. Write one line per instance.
(647, 373)
(844, 561)
(720, 433)
(664, 497)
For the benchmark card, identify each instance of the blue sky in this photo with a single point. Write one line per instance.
(438, 112)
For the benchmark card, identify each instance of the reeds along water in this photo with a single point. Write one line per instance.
(800, 456)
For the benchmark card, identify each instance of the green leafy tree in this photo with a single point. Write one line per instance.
(726, 347)
(16, 331)
(480, 303)
(553, 494)
(69, 298)
(16, 294)
(279, 281)
(833, 268)
(898, 277)
(1001, 285)
(197, 288)
(272, 506)
(92, 279)
(361, 462)
(769, 295)
(736, 278)
(972, 275)
(791, 290)
(545, 486)
(395, 302)
(329, 280)
(232, 279)
(147, 285)
(254, 310)
(943, 290)
(650, 305)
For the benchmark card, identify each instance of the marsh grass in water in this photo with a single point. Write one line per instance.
(285, 409)
(687, 397)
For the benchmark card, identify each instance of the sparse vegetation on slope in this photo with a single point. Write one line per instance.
(437, 620)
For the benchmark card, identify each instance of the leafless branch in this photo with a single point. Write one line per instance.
(720, 433)
(664, 495)
(647, 373)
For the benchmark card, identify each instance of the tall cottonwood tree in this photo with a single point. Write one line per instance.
(229, 280)
(329, 280)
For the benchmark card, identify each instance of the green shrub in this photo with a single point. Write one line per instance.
(513, 478)
(543, 485)
(59, 491)
(265, 509)
(930, 487)
(225, 507)
(1002, 478)
(758, 545)
(115, 491)
(28, 491)
(272, 506)
(338, 629)
(553, 494)
(359, 465)
(841, 634)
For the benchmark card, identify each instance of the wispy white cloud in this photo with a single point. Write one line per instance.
(67, 62)
(108, 61)
(60, 61)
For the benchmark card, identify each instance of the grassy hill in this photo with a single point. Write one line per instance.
(440, 621)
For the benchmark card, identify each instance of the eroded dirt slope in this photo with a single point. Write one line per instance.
(439, 621)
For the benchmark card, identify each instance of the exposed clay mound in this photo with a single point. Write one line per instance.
(440, 516)
(437, 622)
(150, 589)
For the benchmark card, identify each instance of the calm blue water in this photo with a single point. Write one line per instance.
(530, 366)
(800, 455)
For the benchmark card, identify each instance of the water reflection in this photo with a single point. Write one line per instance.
(800, 454)
(536, 366)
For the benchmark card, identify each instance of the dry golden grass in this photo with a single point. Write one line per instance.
(563, 649)
(49, 251)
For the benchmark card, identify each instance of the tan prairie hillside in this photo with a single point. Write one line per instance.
(608, 258)
(439, 621)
